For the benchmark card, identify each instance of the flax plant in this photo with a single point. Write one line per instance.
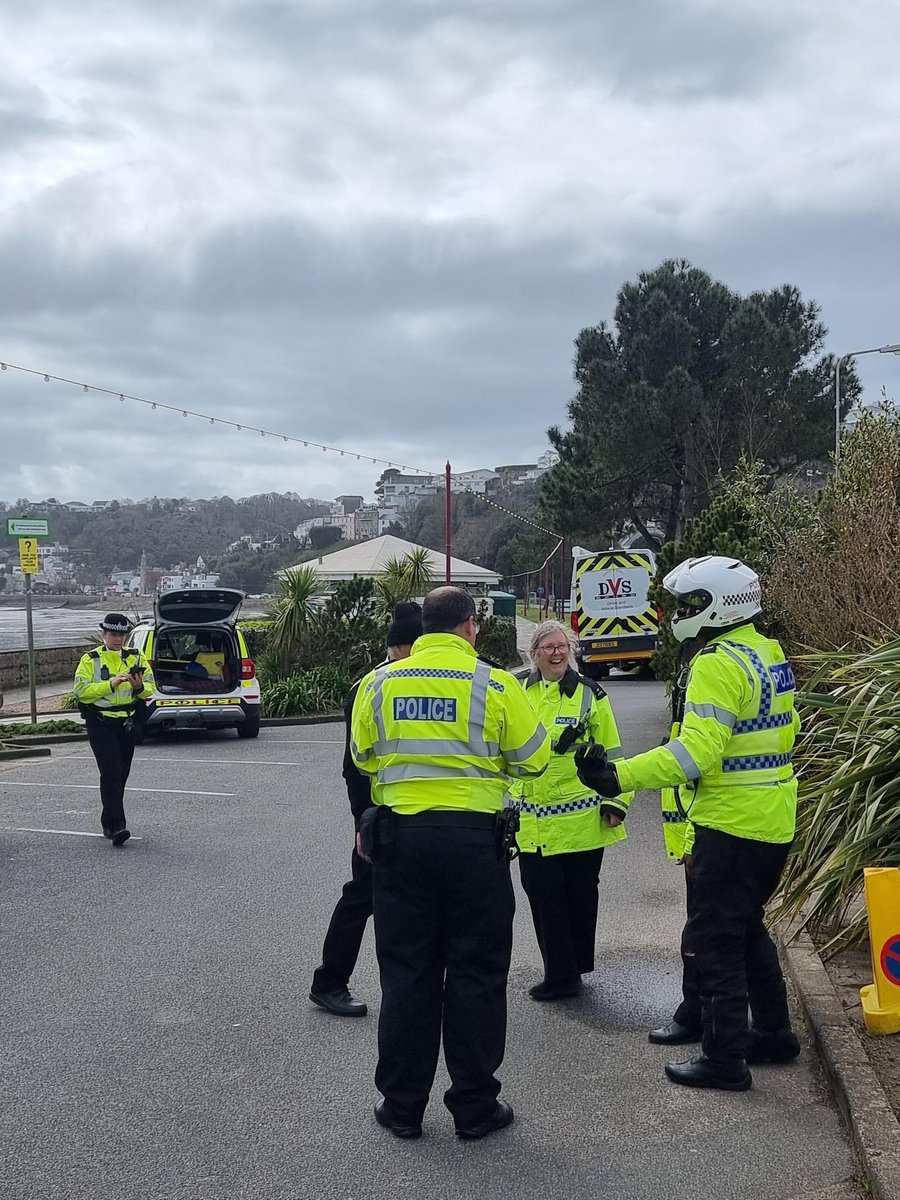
(848, 756)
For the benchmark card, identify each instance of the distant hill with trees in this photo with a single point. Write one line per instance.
(173, 531)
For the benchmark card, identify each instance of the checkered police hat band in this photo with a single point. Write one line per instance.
(115, 623)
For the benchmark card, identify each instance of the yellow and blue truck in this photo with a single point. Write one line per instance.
(616, 622)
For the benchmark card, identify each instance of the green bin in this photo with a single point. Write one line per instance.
(504, 604)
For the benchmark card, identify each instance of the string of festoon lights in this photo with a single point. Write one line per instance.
(243, 427)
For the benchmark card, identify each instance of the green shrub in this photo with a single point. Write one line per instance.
(848, 815)
(256, 636)
(311, 693)
(69, 702)
(42, 728)
(497, 641)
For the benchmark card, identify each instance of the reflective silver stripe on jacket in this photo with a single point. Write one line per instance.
(533, 744)
(765, 679)
(404, 772)
(722, 715)
(681, 755)
(737, 658)
(360, 755)
(587, 699)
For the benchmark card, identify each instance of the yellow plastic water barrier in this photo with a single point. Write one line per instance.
(881, 999)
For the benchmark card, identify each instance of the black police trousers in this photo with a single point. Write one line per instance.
(444, 910)
(345, 929)
(688, 1011)
(725, 940)
(112, 743)
(562, 890)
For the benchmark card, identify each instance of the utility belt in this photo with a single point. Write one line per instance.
(127, 715)
(378, 827)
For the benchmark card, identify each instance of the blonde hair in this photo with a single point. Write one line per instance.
(544, 630)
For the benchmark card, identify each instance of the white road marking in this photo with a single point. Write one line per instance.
(65, 832)
(93, 787)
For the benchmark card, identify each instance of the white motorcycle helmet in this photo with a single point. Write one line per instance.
(712, 592)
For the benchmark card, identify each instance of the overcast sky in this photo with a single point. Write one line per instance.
(381, 223)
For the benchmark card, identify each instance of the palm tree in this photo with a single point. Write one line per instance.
(403, 579)
(290, 612)
(391, 586)
(418, 572)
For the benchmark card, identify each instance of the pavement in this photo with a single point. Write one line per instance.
(158, 1043)
(15, 698)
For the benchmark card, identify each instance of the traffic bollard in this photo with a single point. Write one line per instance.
(881, 999)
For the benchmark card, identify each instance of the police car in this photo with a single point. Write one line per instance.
(205, 678)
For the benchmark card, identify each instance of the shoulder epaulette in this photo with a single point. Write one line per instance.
(93, 653)
(490, 662)
(596, 687)
(710, 649)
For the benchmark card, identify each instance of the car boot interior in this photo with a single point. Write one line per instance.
(197, 661)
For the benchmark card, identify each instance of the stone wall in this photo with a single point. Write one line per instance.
(52, 664)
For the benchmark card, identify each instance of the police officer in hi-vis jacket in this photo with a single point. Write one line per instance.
(110, 685)
(442, 733)
(731, 764)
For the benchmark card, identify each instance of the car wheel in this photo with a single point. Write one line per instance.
(249, 727)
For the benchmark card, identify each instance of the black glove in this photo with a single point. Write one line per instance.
(596, 771)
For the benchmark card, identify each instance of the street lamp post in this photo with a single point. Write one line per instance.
(837, 391)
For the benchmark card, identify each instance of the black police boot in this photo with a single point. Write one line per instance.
(398, 1128)
(107, 832)
(782, 1046)
(674, 1034)
(120, 837)
(503, 1115)
(699, 1072)
(556, 991)
(339, 1002)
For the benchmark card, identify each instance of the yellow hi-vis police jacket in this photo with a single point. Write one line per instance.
(95, 673)
(734, 745)
(559, 815)
(442, 729)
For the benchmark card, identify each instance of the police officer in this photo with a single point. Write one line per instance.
(733, 753)
(442, 733)
(110, 684)
(564, 825)
(330, 986)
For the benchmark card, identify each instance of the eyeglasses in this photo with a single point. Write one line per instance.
(557, 649)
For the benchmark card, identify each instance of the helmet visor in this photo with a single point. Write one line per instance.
(692, 603)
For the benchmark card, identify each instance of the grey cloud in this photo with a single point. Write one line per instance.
(647, 49)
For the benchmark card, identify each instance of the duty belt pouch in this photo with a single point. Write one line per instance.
(505, 829)
(376, 833)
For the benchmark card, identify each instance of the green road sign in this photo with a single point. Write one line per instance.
(30, 527)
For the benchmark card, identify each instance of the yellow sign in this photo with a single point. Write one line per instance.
(881, 999)
(28, 556)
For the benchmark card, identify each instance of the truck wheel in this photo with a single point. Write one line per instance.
(595, 670)
(249, 727)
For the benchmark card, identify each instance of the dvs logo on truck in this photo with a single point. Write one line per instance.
(614, 589)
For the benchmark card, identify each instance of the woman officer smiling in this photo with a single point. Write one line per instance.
(564, 826)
